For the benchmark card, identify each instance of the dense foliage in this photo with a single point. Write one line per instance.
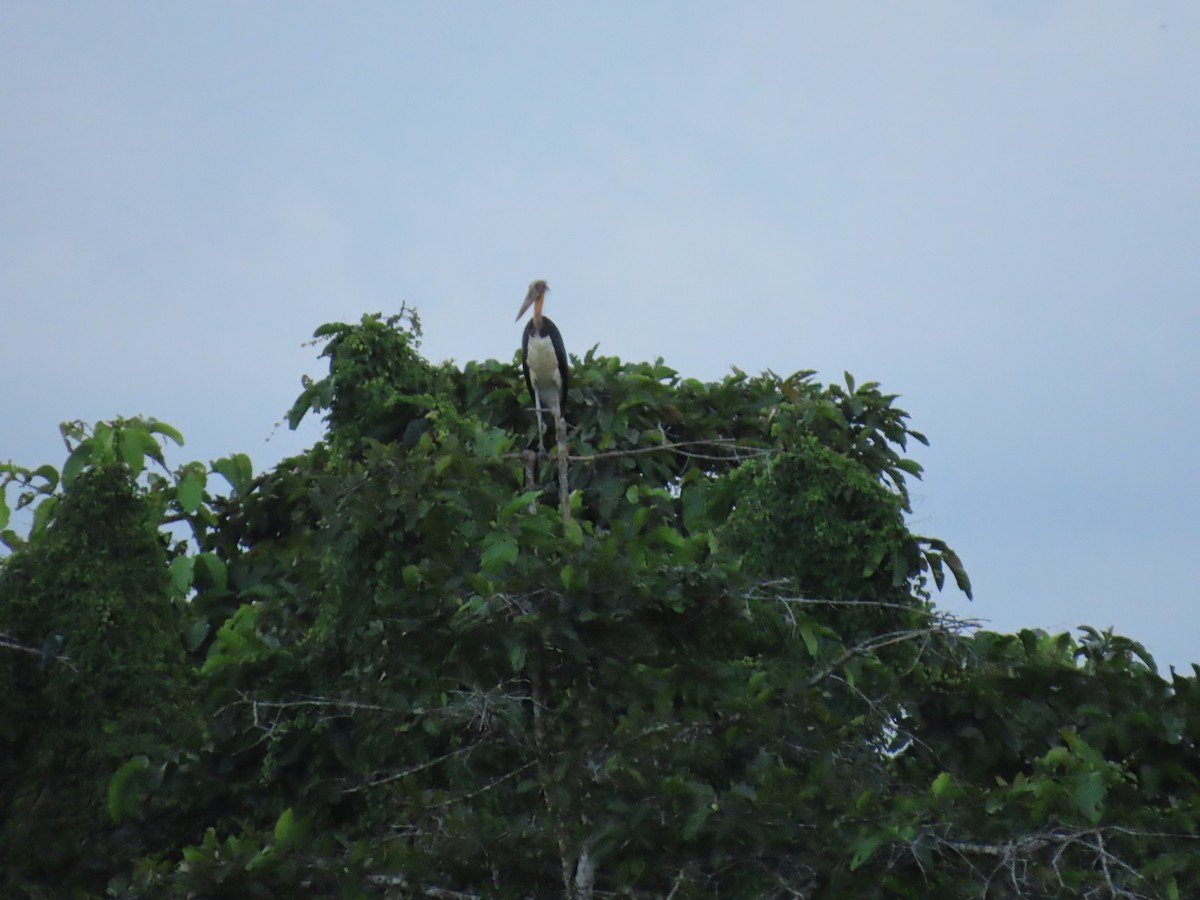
(387, 668)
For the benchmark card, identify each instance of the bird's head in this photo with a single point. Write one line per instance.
(535, 296)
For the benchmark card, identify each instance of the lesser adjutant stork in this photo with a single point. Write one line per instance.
(543, 358)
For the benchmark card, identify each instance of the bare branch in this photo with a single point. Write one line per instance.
(684, 448)
(875, 643)
(487, 787)
(424, 890)
(9, 643)
(1014, 857)
(411, 770)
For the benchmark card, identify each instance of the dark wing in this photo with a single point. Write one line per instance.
(525, 357)
(550, 330)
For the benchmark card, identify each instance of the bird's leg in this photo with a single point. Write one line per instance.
(537, 403)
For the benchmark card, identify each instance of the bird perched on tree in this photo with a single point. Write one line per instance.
(543, 358)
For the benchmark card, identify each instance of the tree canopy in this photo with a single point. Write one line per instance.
(386, 667)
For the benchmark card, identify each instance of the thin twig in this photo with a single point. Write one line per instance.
(679, 446)
(487, 787)
(411, 770)
(875, 643)
(740, 451)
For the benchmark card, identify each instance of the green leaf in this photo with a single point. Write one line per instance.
(5, 512)
(941, 784)
(156, 427)
(863, 848)
(1088, 793)
(103, 450)
(960, 573)
(214, 566)
(695, 822)
(123, 794)
(331, 328)
(516, 657)
(283, 828)
(197, 633)
(412, 577)
(695, 508)
(934, 560)
(574, 533)
(237, 470)
(874, 559)
(668, 535)
(1082, 748)
(181, 570)
(499, 549)
(49, 473)
(567, 576)
(132, 447)
(810, 640)
(76, 462)
(190, 490)
(41, 515)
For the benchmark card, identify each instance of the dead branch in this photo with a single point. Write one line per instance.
(7, 642)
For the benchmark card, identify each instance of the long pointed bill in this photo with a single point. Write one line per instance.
(529, 298)
(524, 306)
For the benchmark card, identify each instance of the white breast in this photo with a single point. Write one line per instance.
(543, 368)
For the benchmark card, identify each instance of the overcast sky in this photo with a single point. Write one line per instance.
(993, 208)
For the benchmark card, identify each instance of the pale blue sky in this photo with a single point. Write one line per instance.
(991, 208)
